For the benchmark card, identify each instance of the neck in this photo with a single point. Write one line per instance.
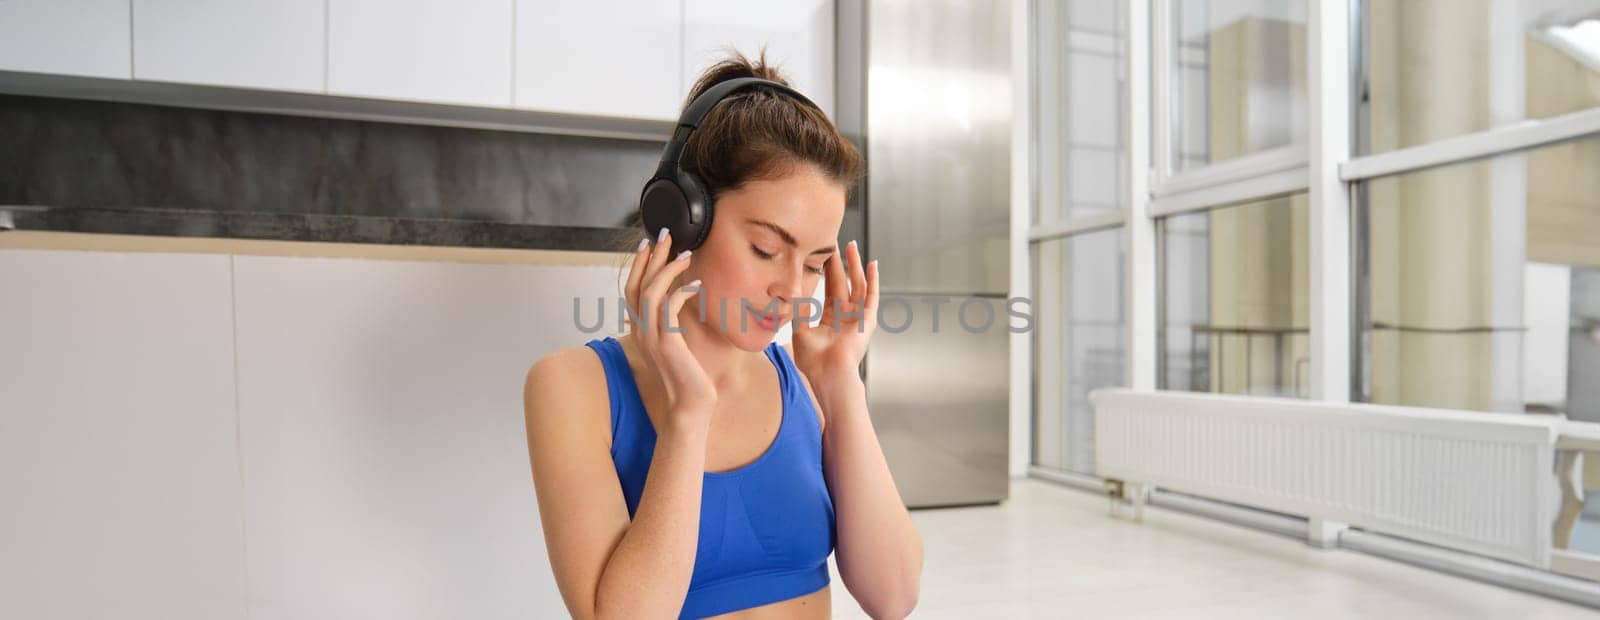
(725, 363)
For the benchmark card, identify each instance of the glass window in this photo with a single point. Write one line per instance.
(1238, 78)
(1082, 108)
(1079, 341)
(1436, 69)
(1481, 283)
(1235, 284)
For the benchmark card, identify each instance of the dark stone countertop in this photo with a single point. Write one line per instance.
(309, 227)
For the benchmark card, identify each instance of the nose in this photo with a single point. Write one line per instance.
(789, 284)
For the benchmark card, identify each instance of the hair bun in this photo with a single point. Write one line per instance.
(736, 65)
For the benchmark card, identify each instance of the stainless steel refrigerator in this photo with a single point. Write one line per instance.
(926, 86)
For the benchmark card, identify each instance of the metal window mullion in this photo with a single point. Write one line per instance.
(1329, 59)
(1141, 284)
(1234, 170)
(1253, 189)
(1076, 226)
(1498, 141)
(1162, 110)
(1024, 192)
(1162, 361)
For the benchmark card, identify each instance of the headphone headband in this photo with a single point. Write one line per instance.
(677, 199)
(695, 113)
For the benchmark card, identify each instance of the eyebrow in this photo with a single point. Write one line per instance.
(787, 238)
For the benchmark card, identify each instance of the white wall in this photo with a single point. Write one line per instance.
(119, 464)
(215, 436)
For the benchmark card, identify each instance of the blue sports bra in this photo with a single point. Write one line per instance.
(766, 529)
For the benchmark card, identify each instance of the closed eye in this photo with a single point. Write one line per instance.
(765, 255)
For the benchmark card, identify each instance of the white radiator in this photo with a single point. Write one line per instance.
(1476, 482)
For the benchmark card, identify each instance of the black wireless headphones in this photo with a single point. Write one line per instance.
(677, 199)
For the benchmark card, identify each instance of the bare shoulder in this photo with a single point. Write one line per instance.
(582, 510)
(822, 419)
(567, 389)
(574, 362)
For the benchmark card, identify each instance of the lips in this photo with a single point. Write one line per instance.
(767, 321)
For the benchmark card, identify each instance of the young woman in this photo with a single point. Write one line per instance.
(760, 460)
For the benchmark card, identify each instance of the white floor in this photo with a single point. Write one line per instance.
(1053, 552)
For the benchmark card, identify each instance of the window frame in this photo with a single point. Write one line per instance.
(1328, 167)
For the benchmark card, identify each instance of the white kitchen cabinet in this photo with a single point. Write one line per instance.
(385, 455)
(602, 57)
(266, 44)
(624, 59)
(798, 35)
(69, 37)
(442, 51)
(119, 458)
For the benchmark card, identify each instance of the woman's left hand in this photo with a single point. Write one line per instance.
(838, 343)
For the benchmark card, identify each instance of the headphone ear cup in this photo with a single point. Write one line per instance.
(664, 205)
(700, 210)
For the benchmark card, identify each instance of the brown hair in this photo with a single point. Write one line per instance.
(756, 134)
(759, 134)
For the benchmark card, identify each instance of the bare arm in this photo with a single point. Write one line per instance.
(879, 550)
(605, 566)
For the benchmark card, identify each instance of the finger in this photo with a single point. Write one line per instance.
(872, 285)
(837, 288)
(635, 276)
(660, 284)
(801, 323)
(678, 299)
(656, 291)
(837, 281)
(858, 276)
(658, 256)
(871, 308)
(652, 264)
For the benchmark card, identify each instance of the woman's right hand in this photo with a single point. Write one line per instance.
(691, 396)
